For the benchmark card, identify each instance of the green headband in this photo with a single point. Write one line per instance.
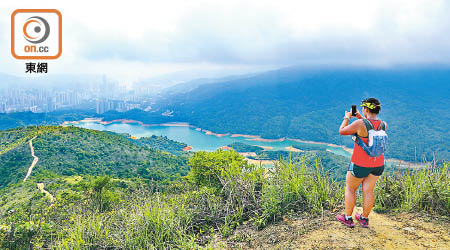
(369, 105)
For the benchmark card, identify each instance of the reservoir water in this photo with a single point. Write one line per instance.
(198, 140)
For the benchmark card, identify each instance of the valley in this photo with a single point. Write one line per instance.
(200, 139)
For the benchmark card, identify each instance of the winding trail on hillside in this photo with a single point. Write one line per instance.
(30, 169)
(35, 159)
(49, 195)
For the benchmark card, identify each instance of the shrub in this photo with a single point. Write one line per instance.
(208, 167)
(426, 190)
(295, 186)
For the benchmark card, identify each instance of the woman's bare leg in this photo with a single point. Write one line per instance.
(351, 185)
(368, 185)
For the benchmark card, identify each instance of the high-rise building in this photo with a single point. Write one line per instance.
(2, 107)
(50, 104)
(100, 107)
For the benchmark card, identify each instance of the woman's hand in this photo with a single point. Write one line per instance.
(348, 114)
(358, 115)
(353, 128)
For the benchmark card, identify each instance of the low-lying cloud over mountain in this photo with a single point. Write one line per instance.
(135, 39)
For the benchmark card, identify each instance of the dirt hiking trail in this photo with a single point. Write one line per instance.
(35, 159)
(30, 169)
(403, 231)
(49, 195)
(384, 233)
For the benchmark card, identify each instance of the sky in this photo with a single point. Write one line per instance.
(133, 40)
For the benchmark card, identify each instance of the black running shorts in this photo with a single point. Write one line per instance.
(361, 172)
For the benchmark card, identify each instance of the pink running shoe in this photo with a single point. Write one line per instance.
(364, 222)
(348, 223)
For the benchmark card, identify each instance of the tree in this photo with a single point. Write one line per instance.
(207, 167)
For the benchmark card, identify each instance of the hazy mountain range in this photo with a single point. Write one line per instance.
(309, 104)
(303, 103)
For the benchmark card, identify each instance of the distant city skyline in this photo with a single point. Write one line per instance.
(99, 97)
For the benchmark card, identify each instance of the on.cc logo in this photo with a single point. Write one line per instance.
(36, 34)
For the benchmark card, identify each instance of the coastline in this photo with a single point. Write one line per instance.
(125, 121)
(294, 149)
(242, 135)
(349, 150)
(401, 163)
(212, 133)
(265, 140)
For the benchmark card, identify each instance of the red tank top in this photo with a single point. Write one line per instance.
(361, 158)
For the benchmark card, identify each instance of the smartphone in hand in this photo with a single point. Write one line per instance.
(353, 110)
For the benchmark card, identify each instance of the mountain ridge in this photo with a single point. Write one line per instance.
(309, 106)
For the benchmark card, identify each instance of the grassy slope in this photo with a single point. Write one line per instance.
(192, 211)
(75, 151)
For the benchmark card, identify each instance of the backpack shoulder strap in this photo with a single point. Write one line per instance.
(383, 125)
(360, 143)
(368, 124)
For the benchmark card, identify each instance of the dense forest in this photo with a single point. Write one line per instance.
(162, 143)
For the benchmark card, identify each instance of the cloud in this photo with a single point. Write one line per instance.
(166, 35)
(260, 34)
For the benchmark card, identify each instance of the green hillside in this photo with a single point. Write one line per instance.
(162, 143)
(156, 142)
(23, 119)
(78, 151)
(221, 193)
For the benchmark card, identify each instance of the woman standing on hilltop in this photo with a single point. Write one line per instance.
(363, 169)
